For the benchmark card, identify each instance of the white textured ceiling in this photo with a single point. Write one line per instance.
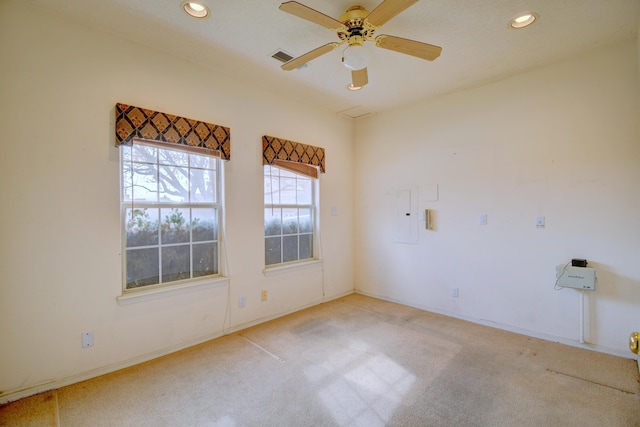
(478, 47)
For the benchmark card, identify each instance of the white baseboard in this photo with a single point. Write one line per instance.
(13, 395)
(521, 331)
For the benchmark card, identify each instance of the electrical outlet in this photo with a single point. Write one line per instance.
(454, 292)
(87, 339)
(242, 301)
(263, 296)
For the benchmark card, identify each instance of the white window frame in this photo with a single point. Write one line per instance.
(315, 234)
(131, 294)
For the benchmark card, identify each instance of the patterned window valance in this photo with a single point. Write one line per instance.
(140, 123)
(293, 155)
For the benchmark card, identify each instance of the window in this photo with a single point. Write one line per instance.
(289, 215)
(171, 210)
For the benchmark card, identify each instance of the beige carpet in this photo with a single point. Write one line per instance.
(356, 361)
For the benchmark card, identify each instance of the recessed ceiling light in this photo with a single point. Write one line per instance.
(195, 9)
(350, 86)
(523, 20)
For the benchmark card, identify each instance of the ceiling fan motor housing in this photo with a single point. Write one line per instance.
(358, 30)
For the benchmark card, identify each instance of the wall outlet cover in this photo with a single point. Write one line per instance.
(87, 339)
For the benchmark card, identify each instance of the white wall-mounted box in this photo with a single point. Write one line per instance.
(405, 206)
(576, 277)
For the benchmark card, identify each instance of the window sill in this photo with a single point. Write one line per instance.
(151, 294)
(287, 268)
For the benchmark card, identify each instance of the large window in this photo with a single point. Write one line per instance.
(289, 215)
(171, 212)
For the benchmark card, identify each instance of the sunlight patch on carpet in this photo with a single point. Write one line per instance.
(369, 389)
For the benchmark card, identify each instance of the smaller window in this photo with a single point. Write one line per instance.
(289, 216)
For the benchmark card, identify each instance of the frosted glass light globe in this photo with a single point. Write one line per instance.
(356, 57)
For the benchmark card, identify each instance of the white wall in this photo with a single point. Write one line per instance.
(560, 141)
(60, 264)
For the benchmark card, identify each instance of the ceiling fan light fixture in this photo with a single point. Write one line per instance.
(353, 87)
(195, 9)
(356, 57)
(523, 20)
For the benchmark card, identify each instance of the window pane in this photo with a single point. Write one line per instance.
(127, 180)
(289, 221)
(205, 259)
(271, 189)
(142, 267)
(125, 153)
(288, 190)
(306, 241)
(175, 225)
(174, 184)
(305, 220)
(175, 263)
(202, 181)
(272, 250)
(141, 227)
(140, 182)
(141, 153)
(204, 224)
(272, 221)
(173, 157)
(285, 173)
(289, 248)
(304, 191)
(202, 162)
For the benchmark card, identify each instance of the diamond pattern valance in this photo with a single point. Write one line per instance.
(140, 123)
(277, 149)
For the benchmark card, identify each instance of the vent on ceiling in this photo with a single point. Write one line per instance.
(281, 56)
(356, 112)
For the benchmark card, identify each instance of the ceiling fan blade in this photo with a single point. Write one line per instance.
(359, 78)
(409, 47)
(312, 15)
(303, 59)
(387, 10)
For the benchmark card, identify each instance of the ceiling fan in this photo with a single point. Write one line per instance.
(354, 27)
